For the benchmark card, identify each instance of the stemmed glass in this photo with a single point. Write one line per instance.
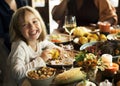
(69, 24)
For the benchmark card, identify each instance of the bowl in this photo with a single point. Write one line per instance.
(42, 76)
(87, 45)
(86, 83)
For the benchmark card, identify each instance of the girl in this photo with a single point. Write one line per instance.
(27, 33)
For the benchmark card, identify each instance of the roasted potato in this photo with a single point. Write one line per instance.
(83, 40)
(93, 36)
(103, 37)
(92, 39)
(79, 31)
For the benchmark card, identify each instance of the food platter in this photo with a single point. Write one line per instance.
(114, 58)
(63, 63)
(59, 38)
(65, 60)
(68, 77)
(89, 38)
(110, 47)
(112, 37)
(59, 66)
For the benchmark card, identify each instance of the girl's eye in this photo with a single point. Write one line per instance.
(35, 21)
(24, 25)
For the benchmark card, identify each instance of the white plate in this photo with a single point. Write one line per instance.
(87, 45)
(112, 37)
(61, 38)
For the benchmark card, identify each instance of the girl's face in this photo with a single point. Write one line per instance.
(30, 28)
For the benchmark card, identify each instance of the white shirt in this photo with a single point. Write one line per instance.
(23, 58)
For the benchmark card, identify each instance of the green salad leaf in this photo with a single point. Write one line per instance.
(80, 56)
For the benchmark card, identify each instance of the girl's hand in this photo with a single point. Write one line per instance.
(46, 55)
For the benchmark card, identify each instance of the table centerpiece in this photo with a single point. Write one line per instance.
(89, 63)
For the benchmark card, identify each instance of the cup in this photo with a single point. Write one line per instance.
(104, 27)
(107, 58)
(115, 29)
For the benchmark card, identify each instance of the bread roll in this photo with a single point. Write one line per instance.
(72, 75)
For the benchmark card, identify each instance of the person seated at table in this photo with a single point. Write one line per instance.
(28, 37)
(7, 8)
(87, 12)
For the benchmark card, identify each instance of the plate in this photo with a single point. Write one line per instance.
(115, 58)
(67, 63)
(112, 37)
(59, 66)
(88, 83)
(59, 38)
(87, 45)
(66, 60)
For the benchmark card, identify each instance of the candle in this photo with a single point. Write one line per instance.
(107, 58)
(110, 71)
(104, 26)
(112, 68)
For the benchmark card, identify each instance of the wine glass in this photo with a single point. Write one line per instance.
(69, 24)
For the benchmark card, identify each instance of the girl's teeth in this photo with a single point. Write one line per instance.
(33, 32)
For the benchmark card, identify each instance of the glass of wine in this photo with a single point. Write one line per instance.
(69, 24)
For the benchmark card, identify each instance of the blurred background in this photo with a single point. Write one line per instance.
(45, 7)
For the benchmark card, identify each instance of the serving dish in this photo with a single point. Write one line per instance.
(88, 38)
(87, 45)
(59, 38)
(70, 76)
(86, 83)
(66, 59)
(113, 37)
(59, 64)
(110, 47)
(41, 76)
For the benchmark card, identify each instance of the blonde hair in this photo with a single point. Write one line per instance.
(14, 29)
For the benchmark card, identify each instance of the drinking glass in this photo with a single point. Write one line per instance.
(67, 57)
(69, 24)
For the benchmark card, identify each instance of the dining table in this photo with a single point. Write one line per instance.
(100, 76)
